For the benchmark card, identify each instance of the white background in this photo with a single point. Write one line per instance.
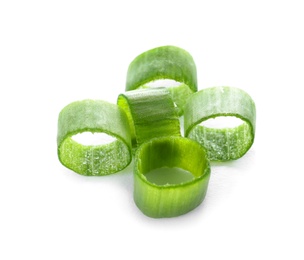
(56, 52)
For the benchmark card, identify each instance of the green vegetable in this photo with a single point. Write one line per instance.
(226, 143)
(166, 62)
(151, 114)
(171, 173)
(94, 116)
(170, 200)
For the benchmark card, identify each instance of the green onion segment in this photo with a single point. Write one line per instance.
(94, 116)
(151, 114)
(225, 143)
(166, 62)
(170, 200)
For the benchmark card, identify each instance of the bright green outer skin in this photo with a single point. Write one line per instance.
(180, 95)
(171, 200)
(166, 62)
(151, 114)
(94, 116)
(226, 143)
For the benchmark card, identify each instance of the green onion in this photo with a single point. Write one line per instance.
(166, 62)
(151, 114)
(171, 173)
(93, 116)
(170, 200)
(226, 143)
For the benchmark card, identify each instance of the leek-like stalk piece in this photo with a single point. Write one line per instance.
(222, 144)
(165, 62)
(94, 116)
(170, 200)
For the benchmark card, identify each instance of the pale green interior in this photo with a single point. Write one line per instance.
(94, 160)
(223, 144)
(166, 175)
(175, 152)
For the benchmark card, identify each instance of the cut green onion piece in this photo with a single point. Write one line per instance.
(225, 143)
(151, 114)
(180, 95)
(170, 200)
(166, 62)
(94, 116)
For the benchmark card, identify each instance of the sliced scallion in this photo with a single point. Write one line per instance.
(151, 114)
(170, 200)
(166, 62)
(93, 116)
(222, 144)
